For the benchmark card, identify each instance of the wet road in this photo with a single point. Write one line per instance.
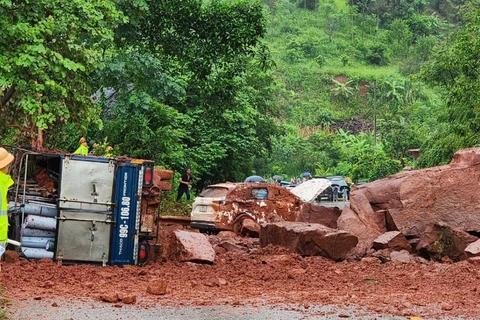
(87, 309)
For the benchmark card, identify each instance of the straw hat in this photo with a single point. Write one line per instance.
(5, 158)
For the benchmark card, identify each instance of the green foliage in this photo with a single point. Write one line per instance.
(455, 67)
(376, 54)
(308, 4)
(374, 165)
(48, 50)
(189, 83)
(445, 243)
(211, 67)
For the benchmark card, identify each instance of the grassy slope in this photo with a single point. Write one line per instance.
(305, 80)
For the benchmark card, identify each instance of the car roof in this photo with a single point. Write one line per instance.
(227, 185)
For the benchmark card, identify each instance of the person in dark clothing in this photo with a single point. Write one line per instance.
(335, 193)
(185, 184)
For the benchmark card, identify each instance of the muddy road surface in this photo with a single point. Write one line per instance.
(268, 281)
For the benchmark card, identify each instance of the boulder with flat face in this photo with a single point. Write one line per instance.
(392, 239)
(308, 239)
(366, 231)
(473, 249)
(192, 247)
(314, 213)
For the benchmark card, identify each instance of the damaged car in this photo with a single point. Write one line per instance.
(242, 207)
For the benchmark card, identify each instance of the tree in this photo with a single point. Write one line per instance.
(212, 50)
(49, 48)
(455, 67)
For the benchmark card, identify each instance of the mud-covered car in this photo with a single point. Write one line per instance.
(242, 206)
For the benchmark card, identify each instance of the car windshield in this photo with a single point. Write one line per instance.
(339, 182)
(214, 192)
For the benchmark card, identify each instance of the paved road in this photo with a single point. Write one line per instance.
(339, 204)
(82, 309)
(89, 309)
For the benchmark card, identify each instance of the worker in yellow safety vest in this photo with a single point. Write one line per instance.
(83, 149)
(5, 182)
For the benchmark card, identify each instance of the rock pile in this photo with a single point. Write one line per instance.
(435, 210)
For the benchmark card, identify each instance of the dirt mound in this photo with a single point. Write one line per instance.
(389, 288)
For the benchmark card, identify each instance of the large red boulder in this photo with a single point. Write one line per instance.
(308, 239)
(417, 199)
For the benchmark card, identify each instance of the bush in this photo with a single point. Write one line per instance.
(376, 55)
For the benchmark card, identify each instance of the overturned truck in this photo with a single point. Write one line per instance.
(85, 209)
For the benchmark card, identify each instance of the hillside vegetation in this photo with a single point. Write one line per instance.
(347, 88)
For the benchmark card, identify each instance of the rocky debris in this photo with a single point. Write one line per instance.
(250, 228)
(414, 202)
(227, 234)
(473, 249)
(402, 256)
(10, 256)
(392, 239)
(157, 287)
(280, 261)
(438, 241)
(308, 239)
(111, 298)
(193, 247)
(474, 260)
(371, 260)
(232, 245)
(365, 231)
(265, 274)
(129, 299)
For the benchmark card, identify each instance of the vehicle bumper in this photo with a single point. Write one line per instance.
(203, 225)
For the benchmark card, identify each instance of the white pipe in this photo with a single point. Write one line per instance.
(36, 253)
(13, 242)
(35, 242)
(39, 222)
(28, 232)
(40, 210)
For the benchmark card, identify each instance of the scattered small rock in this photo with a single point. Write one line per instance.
(129, 299)
(112, 298)
(371, 260)
(220, 250)
(401, 256)
(37, 298)
(343, 315)
(54, 304)
(226, 234)
(157, 287)
(474, 260)
(447, 307)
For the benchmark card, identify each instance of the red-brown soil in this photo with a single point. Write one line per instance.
(269, 274)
